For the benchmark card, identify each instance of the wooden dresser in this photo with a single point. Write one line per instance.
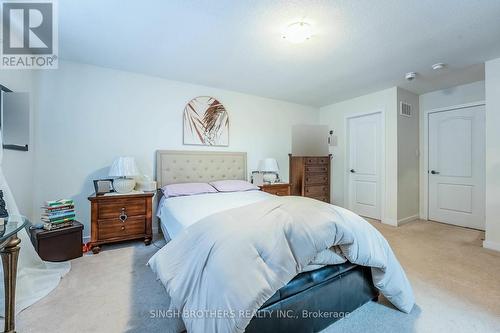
(310, 176)
(117, 218)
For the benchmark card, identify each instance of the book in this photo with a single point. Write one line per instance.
(50, 226)
(61, 202)
(59, 220)
(59, 214)
(58, 208)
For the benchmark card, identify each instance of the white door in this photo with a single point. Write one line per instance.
(457, 167)
(364, 165)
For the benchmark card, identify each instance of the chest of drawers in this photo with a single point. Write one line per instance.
(310, 176)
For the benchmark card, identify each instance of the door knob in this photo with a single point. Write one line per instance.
(353, 171)
(434, 172)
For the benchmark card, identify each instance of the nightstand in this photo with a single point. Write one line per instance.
(280, 189)
(116, 218)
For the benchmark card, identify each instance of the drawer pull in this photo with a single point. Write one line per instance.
(123, 216)
(123, 227)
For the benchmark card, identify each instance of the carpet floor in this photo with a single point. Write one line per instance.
(456, 284)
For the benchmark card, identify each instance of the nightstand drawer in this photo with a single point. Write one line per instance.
(316, 190)
(316, 178)
(109, 229)
(321, 198)
(114, 208)
(281, 191)
(276, 189)
(316, 168)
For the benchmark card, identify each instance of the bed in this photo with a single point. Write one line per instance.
(310, 301)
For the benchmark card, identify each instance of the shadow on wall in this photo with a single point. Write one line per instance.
(82, 205)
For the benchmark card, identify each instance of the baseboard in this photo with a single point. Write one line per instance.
(407, 219)
(491, 245)
(389, 221)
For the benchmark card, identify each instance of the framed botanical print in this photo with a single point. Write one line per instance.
(206, 122)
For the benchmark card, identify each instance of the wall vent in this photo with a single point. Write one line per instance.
(405, 109)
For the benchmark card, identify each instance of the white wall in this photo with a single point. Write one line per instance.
(464, 94)
(458, 95)
(89, 115)
(408, 159)
(493, 155)
(18, 165)
(334, 116)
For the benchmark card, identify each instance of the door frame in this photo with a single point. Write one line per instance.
(347, 202)
(424, 147)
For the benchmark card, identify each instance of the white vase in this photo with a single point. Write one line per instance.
(124, 185)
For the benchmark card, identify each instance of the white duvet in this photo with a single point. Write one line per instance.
(219, 271)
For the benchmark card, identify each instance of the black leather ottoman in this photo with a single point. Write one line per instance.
(314, 300)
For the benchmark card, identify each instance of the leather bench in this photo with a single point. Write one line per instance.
(313, 300)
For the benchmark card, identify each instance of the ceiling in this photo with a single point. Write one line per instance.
(360, 46)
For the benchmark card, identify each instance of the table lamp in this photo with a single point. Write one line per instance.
(124, 168)
(269, 167)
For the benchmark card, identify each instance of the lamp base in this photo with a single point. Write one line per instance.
(270, 177)
(123, 185)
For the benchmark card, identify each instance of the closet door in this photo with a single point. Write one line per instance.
(457, 167)
(364, 165)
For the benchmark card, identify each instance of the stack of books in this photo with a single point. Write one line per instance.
(58, 214)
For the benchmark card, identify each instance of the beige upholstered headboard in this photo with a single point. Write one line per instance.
(178, 166)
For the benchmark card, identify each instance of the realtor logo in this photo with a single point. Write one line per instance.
(29, 35)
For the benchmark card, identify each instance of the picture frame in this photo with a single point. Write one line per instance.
(257, 178)
(103, 186)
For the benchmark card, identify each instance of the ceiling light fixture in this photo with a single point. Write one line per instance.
(438, 66)
(298, 32)
(410, 76)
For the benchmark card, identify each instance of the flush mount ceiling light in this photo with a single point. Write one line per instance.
(410, 76)
(298, 32)
(438, 66)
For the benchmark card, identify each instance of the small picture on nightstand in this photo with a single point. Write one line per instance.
(103, 186)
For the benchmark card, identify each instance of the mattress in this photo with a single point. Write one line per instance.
(178, 213)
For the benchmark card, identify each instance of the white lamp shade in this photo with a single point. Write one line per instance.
(269, 165)
(124, 167)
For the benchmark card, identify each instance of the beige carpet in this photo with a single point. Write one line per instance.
(456, 283)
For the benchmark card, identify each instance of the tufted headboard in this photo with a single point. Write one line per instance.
(179, 166)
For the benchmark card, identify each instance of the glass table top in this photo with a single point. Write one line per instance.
(12, 225)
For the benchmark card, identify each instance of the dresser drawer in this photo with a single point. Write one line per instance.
(315, 168)
(115, 228)
(321, 198)
(113, 209)
(316, 178)
(316, 190)
(317, 160)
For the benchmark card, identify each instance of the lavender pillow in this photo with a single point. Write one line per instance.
(233, 186)
(182, 189)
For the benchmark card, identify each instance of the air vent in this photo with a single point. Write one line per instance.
(405, 109)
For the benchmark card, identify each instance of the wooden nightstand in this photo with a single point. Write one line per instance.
(116, 218)
(276, 189)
